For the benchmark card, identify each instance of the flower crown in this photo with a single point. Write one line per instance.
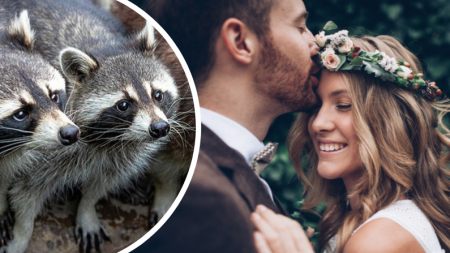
(338, 53)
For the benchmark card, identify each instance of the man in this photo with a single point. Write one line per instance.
(251, 61)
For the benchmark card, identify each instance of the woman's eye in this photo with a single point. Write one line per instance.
(302, 29)
(54, 97)
(20, 115)
(123, 105)
(158, 96)
(344, 106)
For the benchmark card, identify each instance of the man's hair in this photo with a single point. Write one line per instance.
(194, 26)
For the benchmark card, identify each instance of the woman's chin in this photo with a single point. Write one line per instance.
(329, 171)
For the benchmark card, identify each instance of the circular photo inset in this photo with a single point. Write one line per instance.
(97, 126)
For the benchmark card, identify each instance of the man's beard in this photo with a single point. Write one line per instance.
(284, 79)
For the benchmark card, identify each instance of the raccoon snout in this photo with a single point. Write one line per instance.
(69, 135)
(159, 129)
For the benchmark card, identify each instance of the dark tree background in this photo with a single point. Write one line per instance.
(422, 26)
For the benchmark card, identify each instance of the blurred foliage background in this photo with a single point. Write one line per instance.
(422, 26)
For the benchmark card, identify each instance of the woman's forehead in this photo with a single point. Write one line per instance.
(330, 83)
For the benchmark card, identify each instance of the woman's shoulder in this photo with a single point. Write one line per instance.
(382, 235)
(401, 227)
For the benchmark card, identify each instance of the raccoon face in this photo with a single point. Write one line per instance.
(32, 96)
(126, 95)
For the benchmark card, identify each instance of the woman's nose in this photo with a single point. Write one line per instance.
(323, 122)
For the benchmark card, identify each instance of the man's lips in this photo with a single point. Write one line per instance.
(314, 81)
(314, 70)
(315, 67)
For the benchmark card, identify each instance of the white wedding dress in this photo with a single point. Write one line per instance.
(411, 218)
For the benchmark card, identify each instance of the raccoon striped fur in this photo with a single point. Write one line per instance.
(120, 96)
(32, 95)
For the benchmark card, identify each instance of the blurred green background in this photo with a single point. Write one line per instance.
(422, 26)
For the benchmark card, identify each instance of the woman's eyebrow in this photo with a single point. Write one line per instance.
(337, 92)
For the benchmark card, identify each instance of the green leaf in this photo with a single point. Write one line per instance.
(358, 61)
(420, 82)
(400, 69)
(402, 81)
(343, 59)
(296, 215)
(346, 66)
(330, 25)
(374, 68)
(357, 67)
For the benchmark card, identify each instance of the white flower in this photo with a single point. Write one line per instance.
(321, 39)
(346, 47)
(394, 68)
(388, 66)
(342, 32)
(406, 72)
(387, 63)
(383, 62)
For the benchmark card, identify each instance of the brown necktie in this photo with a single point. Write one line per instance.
(261, 159)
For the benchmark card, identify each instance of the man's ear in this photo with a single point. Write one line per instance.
(76, 65)
(240, 41)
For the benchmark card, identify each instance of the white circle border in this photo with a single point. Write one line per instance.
(197, 126)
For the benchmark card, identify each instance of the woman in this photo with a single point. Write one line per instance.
(376, 155)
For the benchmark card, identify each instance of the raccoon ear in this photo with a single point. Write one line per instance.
(145, 40)
(20, 33)
(76, 65)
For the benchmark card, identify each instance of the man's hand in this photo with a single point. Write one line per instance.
(278, 234)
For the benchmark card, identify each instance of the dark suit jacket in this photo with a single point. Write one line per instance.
(214, 215)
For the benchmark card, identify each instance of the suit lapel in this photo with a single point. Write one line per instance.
(237, 170)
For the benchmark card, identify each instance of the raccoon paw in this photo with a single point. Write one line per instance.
(6, 228)
(88, 240)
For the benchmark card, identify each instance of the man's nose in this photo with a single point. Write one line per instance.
(313, 48)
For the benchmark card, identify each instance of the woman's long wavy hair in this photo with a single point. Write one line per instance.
(402, 151)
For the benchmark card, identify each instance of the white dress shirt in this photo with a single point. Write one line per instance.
(235, 136)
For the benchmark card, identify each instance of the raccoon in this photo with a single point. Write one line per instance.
(169, 171)
(120, 96)
(32, 95)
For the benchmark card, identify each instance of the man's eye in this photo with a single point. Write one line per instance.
(302, 29)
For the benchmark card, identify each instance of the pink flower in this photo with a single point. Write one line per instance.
(347, 47)
(330, 59)
(320, 39)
